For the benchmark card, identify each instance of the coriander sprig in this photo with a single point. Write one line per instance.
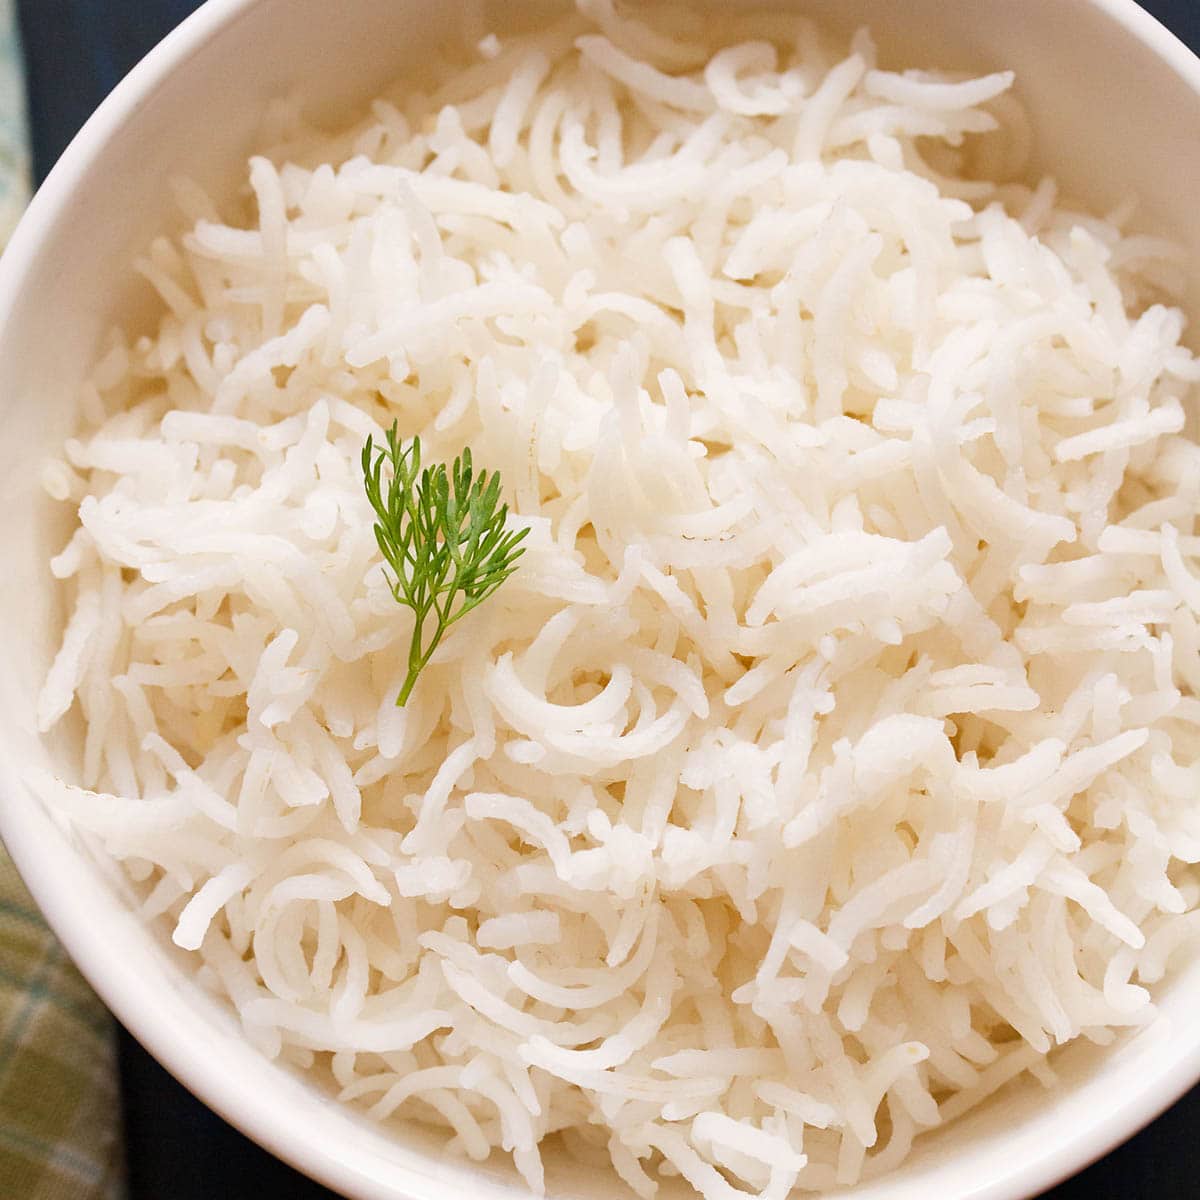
(442, 534)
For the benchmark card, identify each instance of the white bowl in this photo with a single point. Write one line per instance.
(1116, 103)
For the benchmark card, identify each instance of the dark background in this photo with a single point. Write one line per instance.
(76, 50)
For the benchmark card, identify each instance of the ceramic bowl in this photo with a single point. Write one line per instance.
(1116, 110)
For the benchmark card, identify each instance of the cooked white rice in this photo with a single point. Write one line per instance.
(831, 758)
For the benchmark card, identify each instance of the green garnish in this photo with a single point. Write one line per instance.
(442, 534)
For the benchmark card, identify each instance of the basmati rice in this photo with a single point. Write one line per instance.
(831, 757)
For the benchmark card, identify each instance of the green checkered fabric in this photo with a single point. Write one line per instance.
(14, 144)
(59, 1110)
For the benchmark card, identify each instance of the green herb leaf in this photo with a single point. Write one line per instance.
(442, 536)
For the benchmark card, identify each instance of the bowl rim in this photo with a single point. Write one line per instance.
(68, 916)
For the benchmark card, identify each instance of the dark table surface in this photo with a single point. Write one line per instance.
(76, 50)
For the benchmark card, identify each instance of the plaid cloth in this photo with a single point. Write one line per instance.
(59, 1134)
(59, 1108)
(14, 138)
